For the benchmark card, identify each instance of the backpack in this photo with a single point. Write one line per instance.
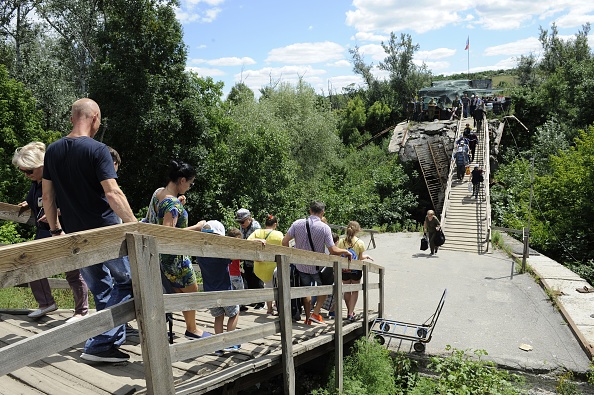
(355, 256)
(353, 253)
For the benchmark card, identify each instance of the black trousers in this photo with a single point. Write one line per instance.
(249, 277)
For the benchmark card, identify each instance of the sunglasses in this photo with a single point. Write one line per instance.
(27, 171)
(242, 221)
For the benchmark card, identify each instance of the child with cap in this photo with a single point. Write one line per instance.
(215, 277)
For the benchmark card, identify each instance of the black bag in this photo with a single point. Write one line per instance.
(439, 238)
(424, 243)
(327, 275)
(296, 304)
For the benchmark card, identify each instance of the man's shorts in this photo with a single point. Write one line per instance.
(308, 279)
(229, 311)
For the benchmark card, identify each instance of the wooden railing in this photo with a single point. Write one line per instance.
(371, 232)
(487, 179)
(142, 243)
(446, 199)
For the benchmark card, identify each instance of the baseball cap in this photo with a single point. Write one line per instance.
(242, 214)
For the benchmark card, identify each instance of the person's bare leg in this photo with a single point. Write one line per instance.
(269, 307)
(232, 323)
(354, 296)
(347, 297)
(319, 303)
(190, 315)
(218, 324)
(307, 306)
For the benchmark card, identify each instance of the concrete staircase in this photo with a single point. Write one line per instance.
(465, 220)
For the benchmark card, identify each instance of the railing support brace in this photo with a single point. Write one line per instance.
(283, 270)
(338, 345)
(150, 313)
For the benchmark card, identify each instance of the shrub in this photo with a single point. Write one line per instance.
(369, 370)
(459, 374)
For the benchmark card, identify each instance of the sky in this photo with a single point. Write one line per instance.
(263, 42)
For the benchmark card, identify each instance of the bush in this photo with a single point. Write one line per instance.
(459, 374)
(368, 370)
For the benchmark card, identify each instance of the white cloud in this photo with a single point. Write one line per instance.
(520, 47)
(438, 53)
(435, 67)
(193, 3)
(307, 53)
(338, 83)
(374, 51)
(372, 16)
(365, 36)
(225, 62)
(206, 72)
(392, 15)
(232, 61)
(203, 11)
(256, 79)
(340, 63)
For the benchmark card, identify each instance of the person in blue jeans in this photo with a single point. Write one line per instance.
(79, 173)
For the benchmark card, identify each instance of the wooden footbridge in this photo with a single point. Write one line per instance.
(44, 356)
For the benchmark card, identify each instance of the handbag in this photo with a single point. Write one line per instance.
(439, 238)
(424, 243)
(327, 275)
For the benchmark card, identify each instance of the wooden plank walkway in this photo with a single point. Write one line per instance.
(66, 373)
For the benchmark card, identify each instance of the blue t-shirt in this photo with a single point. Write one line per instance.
(215, 273)
(76, 167)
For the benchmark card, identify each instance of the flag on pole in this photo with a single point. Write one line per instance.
(467, 43)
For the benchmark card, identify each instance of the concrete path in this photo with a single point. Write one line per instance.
(485, 309)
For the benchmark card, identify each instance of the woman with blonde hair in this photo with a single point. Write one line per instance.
(29, 160)
(352, 242)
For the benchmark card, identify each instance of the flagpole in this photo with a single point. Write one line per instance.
(468, 64)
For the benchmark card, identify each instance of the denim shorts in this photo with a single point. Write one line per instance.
(237, 282)
(229, 311)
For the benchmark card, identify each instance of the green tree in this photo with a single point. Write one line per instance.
(378, 117)
(563, 202)
(150, 109)
(352, 122)
(240, 92)
(20, 123)
(405, 77)
(311, 126)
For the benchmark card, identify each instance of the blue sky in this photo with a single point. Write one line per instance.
(262, 41)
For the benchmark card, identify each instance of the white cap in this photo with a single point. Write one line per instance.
(214, 227)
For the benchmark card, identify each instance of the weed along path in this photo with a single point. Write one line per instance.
(484, 308)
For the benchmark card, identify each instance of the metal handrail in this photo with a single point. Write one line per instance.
(446, 199)
(487, 177)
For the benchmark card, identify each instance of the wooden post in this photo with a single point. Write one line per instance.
(366, 300)
(283, 271)
(338, 345)
(150, 313)
(380, 307)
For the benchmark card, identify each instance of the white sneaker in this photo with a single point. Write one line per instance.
(41, 312)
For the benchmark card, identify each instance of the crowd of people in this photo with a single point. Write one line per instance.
(74, 188)
(431, 108)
